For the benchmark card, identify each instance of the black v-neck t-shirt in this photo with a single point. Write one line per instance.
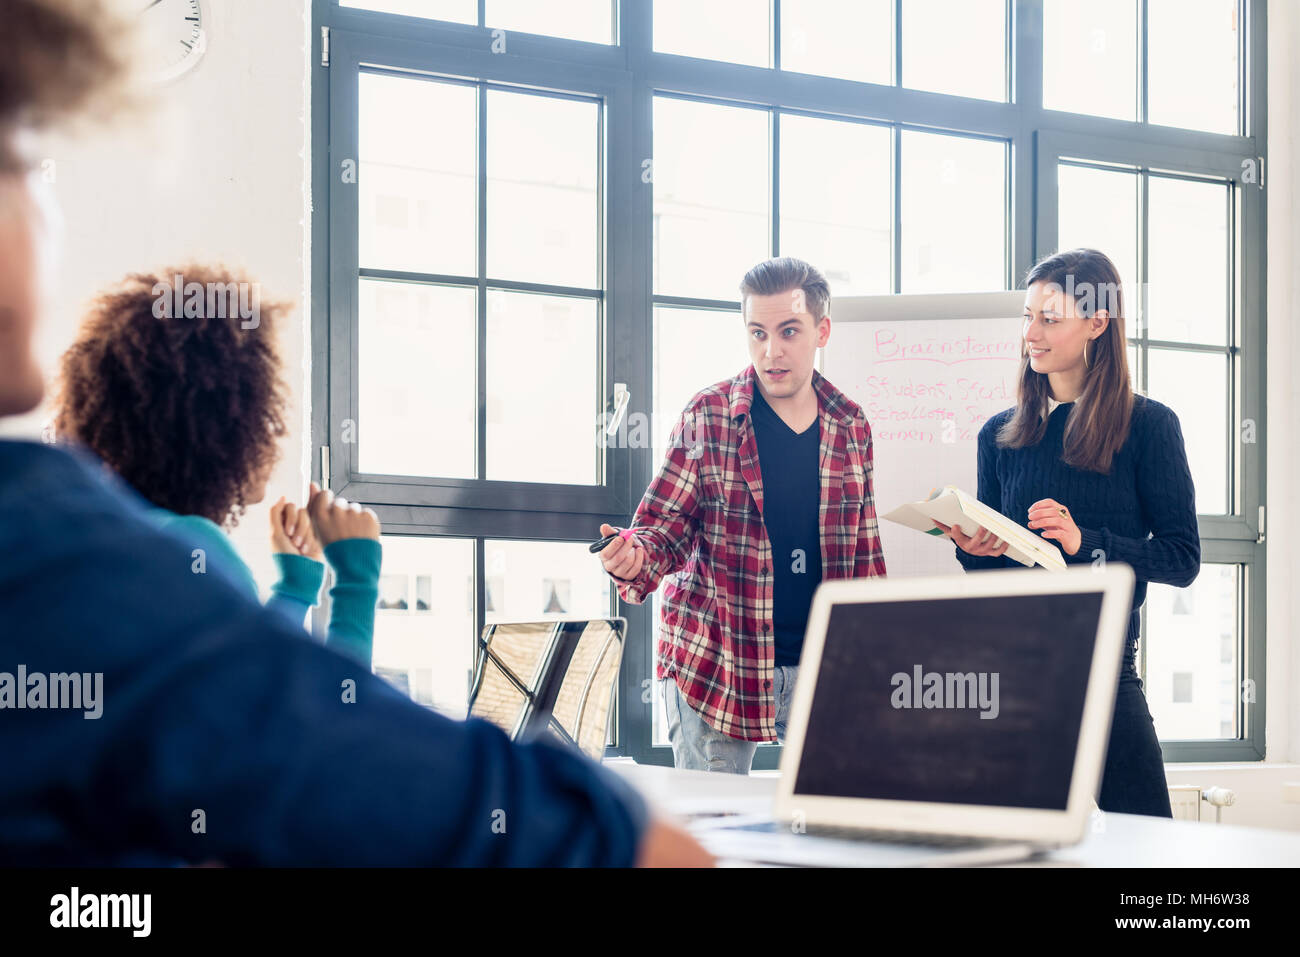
(791, 512)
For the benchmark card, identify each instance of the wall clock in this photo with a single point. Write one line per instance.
(175, 37)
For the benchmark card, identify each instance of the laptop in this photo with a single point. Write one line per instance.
(943, 721)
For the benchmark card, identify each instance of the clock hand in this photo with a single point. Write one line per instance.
(151, 6)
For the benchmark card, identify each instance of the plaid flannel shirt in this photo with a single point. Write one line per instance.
(701, 525)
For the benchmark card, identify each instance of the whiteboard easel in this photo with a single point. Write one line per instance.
(928, 370)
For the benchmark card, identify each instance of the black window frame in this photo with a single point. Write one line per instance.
(626, 76)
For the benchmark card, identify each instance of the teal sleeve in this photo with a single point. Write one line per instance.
(356, 564)
(296, 591)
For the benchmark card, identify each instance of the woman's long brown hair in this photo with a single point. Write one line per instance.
(1098, 423)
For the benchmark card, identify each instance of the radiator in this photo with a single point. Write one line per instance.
(1189, 800)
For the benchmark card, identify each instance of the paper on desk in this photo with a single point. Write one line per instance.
(719, 806)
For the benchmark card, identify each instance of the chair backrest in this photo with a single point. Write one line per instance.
(549, 677)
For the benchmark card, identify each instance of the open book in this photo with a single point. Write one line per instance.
(953, 507)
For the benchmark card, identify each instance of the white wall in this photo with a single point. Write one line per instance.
(1283, 184)
(1283, 360)
(221, 174)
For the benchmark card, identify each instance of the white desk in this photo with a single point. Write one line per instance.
(1124, 840)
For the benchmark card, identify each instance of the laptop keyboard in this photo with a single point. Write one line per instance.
(916, 838)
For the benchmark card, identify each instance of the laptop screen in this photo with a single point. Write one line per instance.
(961, 700)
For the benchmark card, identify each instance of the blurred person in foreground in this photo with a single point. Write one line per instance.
(202, 699)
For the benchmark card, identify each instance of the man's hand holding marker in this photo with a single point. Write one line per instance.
(620, 552)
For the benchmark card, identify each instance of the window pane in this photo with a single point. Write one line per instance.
(712, 197)
(849, 39)
(589, 20)
(541, 581)
(693, 349)
(954, 212)
(1195, 386)
(1098, 209)
(1189, 260)
(424, 626)
(1192, 64)
(416, 179)
(1090, 57)
(416, 394)
(542, 174)
(1133, 381)
(1192, 641)
(542, 398)
(835, 209)
(458, 11)
(956, 46)
(738, 31)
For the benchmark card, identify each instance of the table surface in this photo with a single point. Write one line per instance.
(1123, 840)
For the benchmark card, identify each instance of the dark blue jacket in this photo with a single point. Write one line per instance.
(211, 704)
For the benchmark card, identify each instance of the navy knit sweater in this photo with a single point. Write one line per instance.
(1143, 513)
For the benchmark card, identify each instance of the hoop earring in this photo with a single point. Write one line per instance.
(1085, 355)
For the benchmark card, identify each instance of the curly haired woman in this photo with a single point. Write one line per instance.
(188, 407)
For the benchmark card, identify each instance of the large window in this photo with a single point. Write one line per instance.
(1181, 69)
(533, 213)
(436, 291)
(1181, 213)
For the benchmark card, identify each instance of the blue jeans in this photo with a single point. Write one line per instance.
(697, 746)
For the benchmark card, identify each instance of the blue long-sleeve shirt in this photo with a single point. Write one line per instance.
(225, 734)
(1142, 513)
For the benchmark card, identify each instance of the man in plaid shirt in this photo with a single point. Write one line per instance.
(764, 492)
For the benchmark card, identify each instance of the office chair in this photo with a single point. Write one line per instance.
(549, 677)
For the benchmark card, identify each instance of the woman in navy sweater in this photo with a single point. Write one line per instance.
(1098, 469)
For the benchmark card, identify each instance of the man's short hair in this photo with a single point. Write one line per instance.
(786, 274)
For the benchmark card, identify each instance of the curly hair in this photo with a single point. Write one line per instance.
(187, 408)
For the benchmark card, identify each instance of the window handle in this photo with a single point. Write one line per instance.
(619, 407)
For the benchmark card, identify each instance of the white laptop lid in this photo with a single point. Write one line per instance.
(970, 704)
